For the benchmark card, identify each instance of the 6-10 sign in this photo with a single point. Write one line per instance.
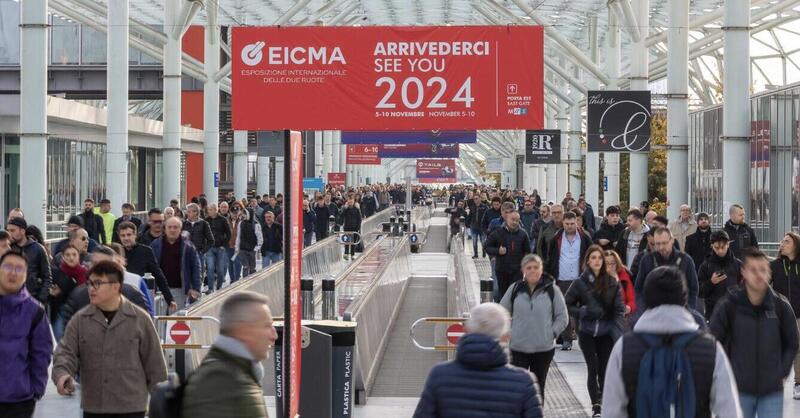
(388, 78)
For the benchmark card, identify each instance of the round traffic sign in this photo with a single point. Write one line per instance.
(454, 332)
(345, 238)
(180, 332)
(414, 238)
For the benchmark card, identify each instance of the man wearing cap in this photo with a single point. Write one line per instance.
(108, 219)
(698, 245)
(39, 277)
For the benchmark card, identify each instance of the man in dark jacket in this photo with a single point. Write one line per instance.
(369, 205)
(272, 250)
(350, 219)
(758, 330)
(528, 216)
(39, 277)
(217, 256)
(127, 216)
(154, 228)
(309, 220)
(588, 213)
(474, 219)
(141, 260)
(539, 224)
(665, 254)
(456, 213)
(458, 389)
(720, 273)
(322, 219)
(179, 261)
(200, 235)
(508, 245)
(74, 222)
(698, 245)
(742, 236)
(26, 344)
(492, 213)
(610, 229)
(548, 232)
(633, 239)
(92, 222)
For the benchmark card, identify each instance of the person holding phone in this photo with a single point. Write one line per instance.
(720, 273)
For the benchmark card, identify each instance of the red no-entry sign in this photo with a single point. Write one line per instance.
(180, 332)
(454, 332)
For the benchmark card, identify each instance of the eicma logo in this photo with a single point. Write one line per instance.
(252, 53)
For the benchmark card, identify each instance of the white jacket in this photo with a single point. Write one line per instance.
(669, 319)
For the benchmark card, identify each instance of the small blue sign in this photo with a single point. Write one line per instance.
(605, 183)
(216, 179)
(413, 238)
(313, 183)
(345, 238)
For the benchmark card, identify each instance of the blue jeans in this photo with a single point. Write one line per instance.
(477, 234)
(765, 406)
(269, 258)
(59, 326)
(234, 266)
(216, 266)
(307, 236)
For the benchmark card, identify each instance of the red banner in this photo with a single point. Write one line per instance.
(363, 154)
(388, 78)
(337, 179)
(295, 264)
(436, 171)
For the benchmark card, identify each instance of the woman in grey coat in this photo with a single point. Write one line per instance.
(538, 316)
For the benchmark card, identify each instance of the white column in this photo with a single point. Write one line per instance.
(611, 197)
(337, 148)
(279, 161)
(591, 187)
(575, 183)
(736, 111)
(33, 102)
(342, 154)
(562, 176)
(211, 105)
(318, 153)
(262, 176)
(117, 94)
(678, 106)
(171, 149)
(541, 181)
(327, 153)
(240, 164)
(551, 174)
(639, 81)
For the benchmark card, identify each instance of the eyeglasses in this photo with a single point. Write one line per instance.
(97, 283)
(8, 268)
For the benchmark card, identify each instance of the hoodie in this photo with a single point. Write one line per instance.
(669, 319)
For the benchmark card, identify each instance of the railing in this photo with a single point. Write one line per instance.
(465, 291)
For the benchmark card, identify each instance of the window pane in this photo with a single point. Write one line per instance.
(93, 45)
(9, 32)
(65, 42)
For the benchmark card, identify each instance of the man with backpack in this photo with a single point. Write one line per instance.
(757, 327)
(666, 365)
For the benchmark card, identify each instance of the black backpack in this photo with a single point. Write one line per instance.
(550, 292)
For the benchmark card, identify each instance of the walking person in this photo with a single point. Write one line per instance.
(538, 314)
(742, 235)
(684, 226)
(26, 345)
(617, 270)
(758, 329)
(474, 218)
(180, 263)
(350, 219)
(786, 281)
(141, 260)
(719, 275)
(538, 225)
(234, 264)
(248, 241)
(200, 236)
(596, 300)
(698, 245)
(217, 256)
(272, 249)
(115, 348)
(508, 244)
(39, 277)
(309, 220)
(322, 216)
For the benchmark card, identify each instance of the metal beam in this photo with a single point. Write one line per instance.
(565, 75)
(697, 23)
(291, 12)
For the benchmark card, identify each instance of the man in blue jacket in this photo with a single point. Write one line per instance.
(179, 261)
(26, 344)
(459, 389)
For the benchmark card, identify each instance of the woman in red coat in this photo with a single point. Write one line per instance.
(616, 269)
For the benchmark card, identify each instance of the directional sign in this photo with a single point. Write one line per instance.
(413, 238)
(454, 333)
(180, 332)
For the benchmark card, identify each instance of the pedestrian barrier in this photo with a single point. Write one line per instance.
(446, 333)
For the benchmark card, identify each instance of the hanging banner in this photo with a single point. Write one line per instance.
(363, 154)
(494, 165)
(388, 77)
(418, 151)
(409, 137)
(313, 183)
(618, 121)
(337, 179)
(436, 171)
(543, 147)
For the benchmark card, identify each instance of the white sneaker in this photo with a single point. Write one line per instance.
(796, 392)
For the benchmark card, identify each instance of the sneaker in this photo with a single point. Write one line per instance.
(596, 411)
(474, 257)
(796, 393)
(566, 346)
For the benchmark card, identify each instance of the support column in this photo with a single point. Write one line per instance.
(262, 175)
(678, 106)
(562, 176)
(318, 153)
(591, 187)
(117, 94)
(639, 81)
(611, 169)
(327, 152)
(337, 148)
(736, 111)
(551, 170)
(575, 183)
(211, 106)
(541, 181)
(171, 149)
(240, 164)
(33, 102)
(279, 161)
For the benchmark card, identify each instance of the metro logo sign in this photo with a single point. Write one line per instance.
(388, 78)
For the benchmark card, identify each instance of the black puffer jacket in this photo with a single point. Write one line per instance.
(611, 233)
(786, 281)
(516, 243)
(713, 293)
(220, 229)
(200, 233)
(350, 218)
(742, 236)
(598, 313)
(39, 275)
(761, 341)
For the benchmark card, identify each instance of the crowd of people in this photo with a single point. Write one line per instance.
(672, 318)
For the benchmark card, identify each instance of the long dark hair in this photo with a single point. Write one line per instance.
(602, 279)
(796, 239)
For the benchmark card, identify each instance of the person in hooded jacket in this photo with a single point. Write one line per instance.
(698, 245)
(633, 240)
(719, 275)
(610, 229)
(479, 382)
(757, 327)
(742, 236)
(786, 281)
(596, 300)
(538, 315)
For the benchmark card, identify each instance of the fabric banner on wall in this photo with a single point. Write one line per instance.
(363, 154)
(436, 171)
(618, 121)
(543, 147)
(409, 137)
(418, 151)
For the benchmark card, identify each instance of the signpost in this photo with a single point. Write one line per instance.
(180, 332)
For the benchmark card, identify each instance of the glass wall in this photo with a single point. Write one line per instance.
(774, 163)
(9, 32)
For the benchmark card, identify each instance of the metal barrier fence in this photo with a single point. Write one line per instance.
(465, 291)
